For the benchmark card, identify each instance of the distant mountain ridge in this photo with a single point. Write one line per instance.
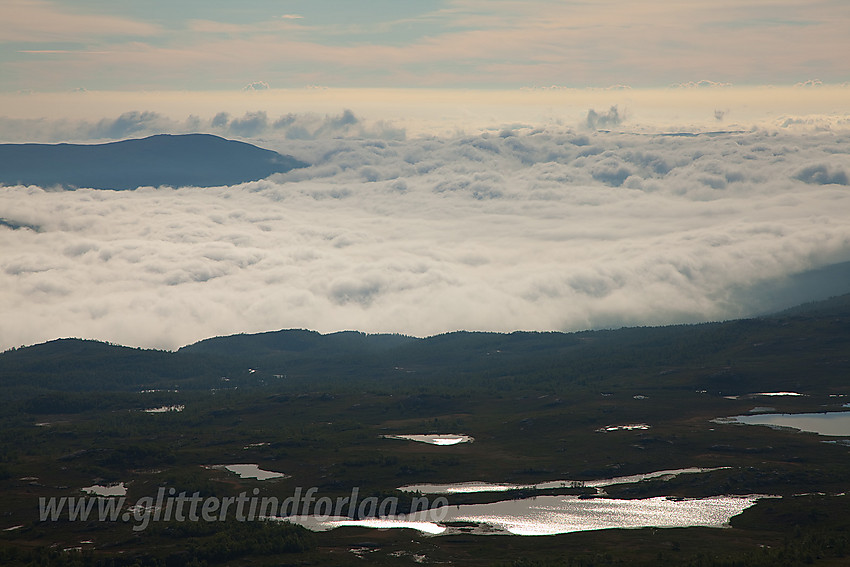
(199, 160)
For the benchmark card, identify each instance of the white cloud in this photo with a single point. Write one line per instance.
(703, 84)
(522, 228)
(256, 86)
(603, 119)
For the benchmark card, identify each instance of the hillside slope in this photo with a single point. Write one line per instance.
(808, 347)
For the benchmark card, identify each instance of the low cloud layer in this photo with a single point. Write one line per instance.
(521, 228)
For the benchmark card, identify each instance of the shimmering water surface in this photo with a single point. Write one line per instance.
(765, 394)
(552, 514)
(629, 427)
(166, 409)
(439, 439)
(475, 486)
(549, 515)
(318, 524)
(835, 423)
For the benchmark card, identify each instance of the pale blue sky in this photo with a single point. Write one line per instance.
(55, 45)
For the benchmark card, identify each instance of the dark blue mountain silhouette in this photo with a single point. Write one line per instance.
(200, 160)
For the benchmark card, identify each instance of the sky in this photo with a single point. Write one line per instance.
(475, 165)
(495, 44)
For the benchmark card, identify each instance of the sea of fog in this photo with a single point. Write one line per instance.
(549, 227)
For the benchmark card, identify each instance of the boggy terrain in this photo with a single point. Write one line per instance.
(538, 407)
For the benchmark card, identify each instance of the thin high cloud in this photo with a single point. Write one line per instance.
(449, 44)
(30, 21)
(551, 228)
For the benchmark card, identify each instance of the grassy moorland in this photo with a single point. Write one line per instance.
(316, 406)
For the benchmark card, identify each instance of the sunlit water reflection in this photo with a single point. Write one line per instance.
(437, 439)
(829, 423)
(476, 486)
(549, 515)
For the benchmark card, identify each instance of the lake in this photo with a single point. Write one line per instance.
(477, 486)
(552, 514)
(836, 423)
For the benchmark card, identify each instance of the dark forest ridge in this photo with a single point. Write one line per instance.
(774, 352)
(200, 160)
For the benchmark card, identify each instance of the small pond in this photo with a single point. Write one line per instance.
(435, 439)
(166, 409)
(111, 490)
(251, 471)
(629, 427)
